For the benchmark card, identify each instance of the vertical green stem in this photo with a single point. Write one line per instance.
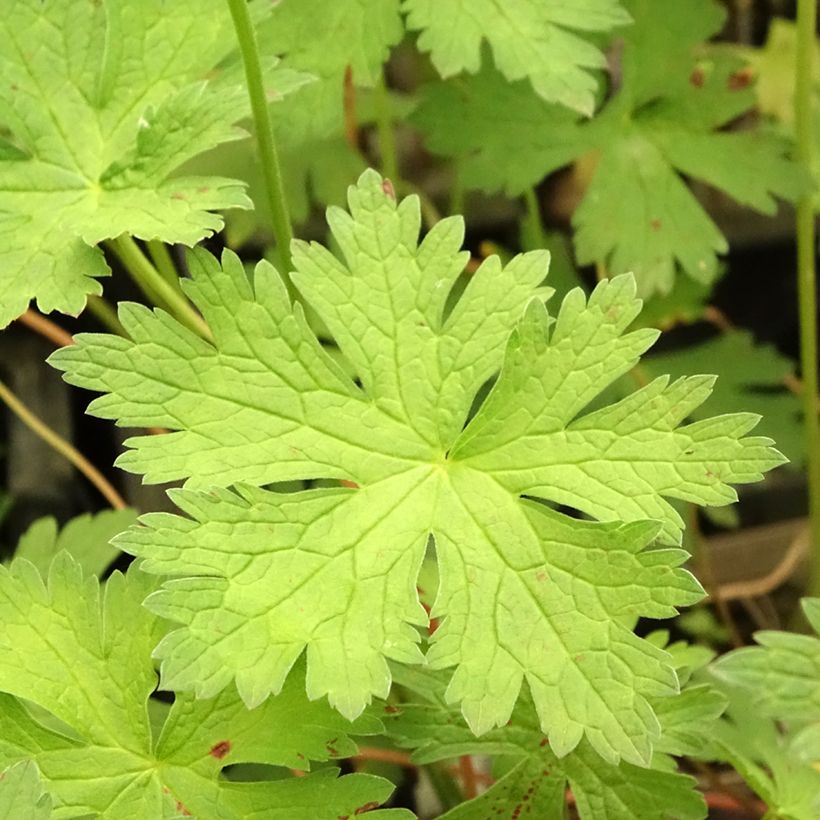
(387, 138)
(105, 314)
(457, 193)
(152, 283)
(268, 155)
(807, 278)
(531, 229)
(160, 256)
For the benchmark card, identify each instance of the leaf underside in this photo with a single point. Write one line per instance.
(526, 593)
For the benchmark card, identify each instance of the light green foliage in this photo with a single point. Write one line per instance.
(87, 538)
(85, 658)
(539, 40)
(783, 671)
(779, 762)
(534, 778)
(663, 122)
(526, 593)
(21, 793)
(775, 69)
(100, 103)
(750, 376)
(780, 679)
(326, 40)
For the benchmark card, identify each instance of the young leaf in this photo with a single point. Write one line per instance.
(21, 793)
(664, 122)
(86, 660)
(101, 103)
(529, 39)
(87, 538)
(525, 592)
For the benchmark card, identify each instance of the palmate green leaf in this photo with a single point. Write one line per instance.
(526, 593)
(21, 793)
(663, 123)
(534, 779)
(87, 538)
(539, 40)
(85, 658)
(101, 102)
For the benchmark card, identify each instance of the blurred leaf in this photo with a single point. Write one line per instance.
(87, 538)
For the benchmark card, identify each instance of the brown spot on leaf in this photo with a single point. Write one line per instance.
(373, 804)
(177, 195)
(541, 576)
(655, 224)
(544, 742)
(390, 709)
(219, 750)
(331, 749)
(698, 77)
(738, 80)
(203, 189)
(389, 190)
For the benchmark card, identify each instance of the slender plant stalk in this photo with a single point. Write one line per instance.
(349, 106)
(161, 257)
(387, 138)
(63, 447)
(533, 230)
(155, 287)
(807, 278)
(105, 314)
(457, 197)
(269, 156)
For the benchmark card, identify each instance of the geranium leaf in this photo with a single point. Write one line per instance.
(101, 103)
(85, 659)
(526, 592)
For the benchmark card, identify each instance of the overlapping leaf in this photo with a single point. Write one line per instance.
(663, 122)
(534, 39)
(100, 103)
(87, 538)
(526, 593)
(783, 671)
(21, 793)
(86, 659)
(533, 779)
(751, 377)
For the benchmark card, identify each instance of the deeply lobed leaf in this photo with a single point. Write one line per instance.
(526, 592)
(101, 102)
(663, 122)
(534, 39)
(85, 659)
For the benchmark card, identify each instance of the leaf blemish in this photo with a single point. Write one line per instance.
(219, 750)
